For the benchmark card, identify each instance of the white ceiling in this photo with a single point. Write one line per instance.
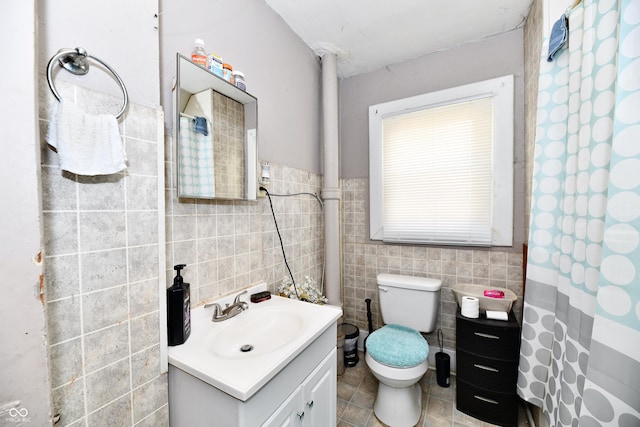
(369, 34)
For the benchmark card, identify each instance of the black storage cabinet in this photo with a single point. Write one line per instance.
(487, 353)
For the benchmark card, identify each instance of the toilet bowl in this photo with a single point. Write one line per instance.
(397, 357)
(397, 353)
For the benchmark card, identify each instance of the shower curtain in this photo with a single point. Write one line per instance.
(580, 348)
(196, 158)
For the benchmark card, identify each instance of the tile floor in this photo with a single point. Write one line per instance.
(357, 390)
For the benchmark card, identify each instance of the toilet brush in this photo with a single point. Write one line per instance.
(442, 363)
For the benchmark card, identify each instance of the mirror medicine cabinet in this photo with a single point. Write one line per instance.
(215, 132)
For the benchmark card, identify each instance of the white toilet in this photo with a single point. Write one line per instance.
(397, 352)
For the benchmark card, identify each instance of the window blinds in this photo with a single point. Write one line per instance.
(437, 174)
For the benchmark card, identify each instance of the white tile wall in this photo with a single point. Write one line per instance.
(101, 276)
(228, 245)
(364, 259)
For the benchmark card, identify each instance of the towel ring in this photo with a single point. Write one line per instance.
(75, 61)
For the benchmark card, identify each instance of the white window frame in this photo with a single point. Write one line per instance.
(501, 90)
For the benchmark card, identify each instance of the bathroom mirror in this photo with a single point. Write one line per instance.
(215, 132)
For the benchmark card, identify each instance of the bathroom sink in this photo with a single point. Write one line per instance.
(240, 355)
(254, 333)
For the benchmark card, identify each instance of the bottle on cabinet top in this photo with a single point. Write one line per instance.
(199, 55)
(238, 80)
(227, 72)
(215, 64)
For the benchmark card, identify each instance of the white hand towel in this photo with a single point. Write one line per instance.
(87, 144)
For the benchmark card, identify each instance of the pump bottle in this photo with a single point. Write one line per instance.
(178, 309)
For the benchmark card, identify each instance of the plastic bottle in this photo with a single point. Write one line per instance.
(178, 309)
(215, 64)
(199, 56)
(238, 80)
(227, 72)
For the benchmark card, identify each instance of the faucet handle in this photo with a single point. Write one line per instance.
(216, 309)
(236, 300)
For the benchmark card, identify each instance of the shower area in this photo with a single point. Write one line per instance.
(581, 317)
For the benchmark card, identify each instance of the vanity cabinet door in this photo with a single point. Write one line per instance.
(313, 403)
(320, 394)
(289, 413)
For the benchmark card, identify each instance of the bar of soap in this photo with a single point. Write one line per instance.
(497, 315)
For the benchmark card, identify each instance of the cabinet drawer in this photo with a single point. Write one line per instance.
(488, 340)
(491, 374)
(492, 407)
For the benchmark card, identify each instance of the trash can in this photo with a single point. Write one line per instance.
(351, 333)
(340, 351)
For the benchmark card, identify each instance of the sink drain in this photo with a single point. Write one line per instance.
(245, 348)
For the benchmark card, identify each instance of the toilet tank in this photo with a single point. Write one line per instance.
(409, 301)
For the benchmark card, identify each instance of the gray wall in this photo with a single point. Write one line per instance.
(101, 277)
(23, 363)
(364, 259)
(122, 33)
(493, 57)
(533, 32)
(129, 43)
(281, 71)
(468, 63)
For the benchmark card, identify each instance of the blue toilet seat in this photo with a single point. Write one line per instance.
(397, 346)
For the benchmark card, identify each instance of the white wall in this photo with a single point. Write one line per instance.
(281, 71)
(122, 33)
(23, 361)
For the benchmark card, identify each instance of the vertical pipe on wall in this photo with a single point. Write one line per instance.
(331, 186)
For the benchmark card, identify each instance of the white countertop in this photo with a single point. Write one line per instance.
(241, 374)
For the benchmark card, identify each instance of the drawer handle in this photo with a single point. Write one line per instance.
(480, 334)
(310, 404)
(484, 399)
(486, 368)
(300, 415)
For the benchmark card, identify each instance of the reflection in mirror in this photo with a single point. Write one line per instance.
(216, 125)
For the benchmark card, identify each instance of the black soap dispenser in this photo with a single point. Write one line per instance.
(178, 309)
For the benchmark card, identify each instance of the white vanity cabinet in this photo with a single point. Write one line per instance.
(309, 377)
(313, 404)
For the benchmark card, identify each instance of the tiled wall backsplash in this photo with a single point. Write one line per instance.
(101, 264)
(363, 260)
(228, 245)
(228, 145)
(101, 276)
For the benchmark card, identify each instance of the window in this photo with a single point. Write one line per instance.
(441, 166)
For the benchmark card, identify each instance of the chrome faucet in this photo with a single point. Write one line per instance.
(236, 300)
(220, 314)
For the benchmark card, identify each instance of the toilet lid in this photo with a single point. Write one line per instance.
(397, 346)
